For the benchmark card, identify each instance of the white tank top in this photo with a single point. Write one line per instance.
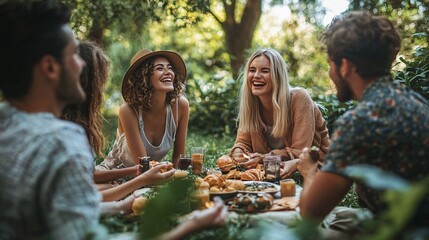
(158, 152)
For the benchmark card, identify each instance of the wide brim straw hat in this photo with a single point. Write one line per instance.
(175, 60)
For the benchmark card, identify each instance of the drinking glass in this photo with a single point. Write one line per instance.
(272, 168)
(287, 187)
(184, 162)
(197, 159)
(200, 199)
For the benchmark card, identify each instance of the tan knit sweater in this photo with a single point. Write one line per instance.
(307, 128)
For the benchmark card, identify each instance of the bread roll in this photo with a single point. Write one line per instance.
(168, 167)
(226, 163)
(215, 189)
(138, 204)
(204, 185)
(180, 174)
(236, 184)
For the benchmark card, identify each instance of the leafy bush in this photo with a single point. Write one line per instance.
(213, 107)
(416, 73)
(332, 108)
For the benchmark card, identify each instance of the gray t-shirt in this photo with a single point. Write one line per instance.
(46, 185)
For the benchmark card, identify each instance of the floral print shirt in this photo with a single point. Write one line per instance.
(389, 128)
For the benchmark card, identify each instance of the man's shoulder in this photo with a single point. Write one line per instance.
(69, 135)
(41, 129)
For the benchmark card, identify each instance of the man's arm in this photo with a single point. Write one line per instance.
(321, 194)
(322, 190)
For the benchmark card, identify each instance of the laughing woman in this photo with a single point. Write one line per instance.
(154, 117)
(274, 118)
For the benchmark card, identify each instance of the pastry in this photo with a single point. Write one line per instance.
(233, 174)
(246, 176)
(138, 204)
(180, 174)
(168, 167)
(215, 189)
(215, 180)
(236, 184)
(226, 163)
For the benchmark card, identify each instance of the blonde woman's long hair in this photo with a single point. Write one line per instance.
(249, 117)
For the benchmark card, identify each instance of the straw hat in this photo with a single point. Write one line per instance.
(175, 60)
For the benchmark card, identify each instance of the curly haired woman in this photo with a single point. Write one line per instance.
(154, 117)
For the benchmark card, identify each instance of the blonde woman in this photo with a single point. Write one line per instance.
(274, 118)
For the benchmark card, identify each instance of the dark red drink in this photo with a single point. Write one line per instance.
(184, 163)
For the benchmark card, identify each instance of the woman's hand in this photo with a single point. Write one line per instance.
(253, 159)
(154, 175)
(289, 168)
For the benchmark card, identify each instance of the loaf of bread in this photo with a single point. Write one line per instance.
(226, 163)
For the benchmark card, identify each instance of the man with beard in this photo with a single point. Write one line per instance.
(46, 187)
(388, 129)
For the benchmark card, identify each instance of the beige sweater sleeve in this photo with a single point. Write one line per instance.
(243, 141)
(302, 128)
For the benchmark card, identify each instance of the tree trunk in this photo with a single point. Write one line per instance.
(96, 33)
(239, 35)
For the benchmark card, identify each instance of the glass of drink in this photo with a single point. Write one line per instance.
(287, 188)
(197, 159)
(272, 168)
(200, 199)
(184, 162)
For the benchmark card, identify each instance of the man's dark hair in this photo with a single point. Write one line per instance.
(370, 42)
(30, 29)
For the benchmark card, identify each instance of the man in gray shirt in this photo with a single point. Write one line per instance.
(46, 187)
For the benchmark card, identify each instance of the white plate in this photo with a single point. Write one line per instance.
(263, 184)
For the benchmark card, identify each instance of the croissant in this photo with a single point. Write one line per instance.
(233, 174)
(215, 180)
(253, 174)
(246, 176)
